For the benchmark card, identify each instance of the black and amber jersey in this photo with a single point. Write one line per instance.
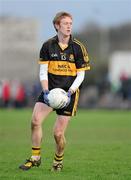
(63, 64)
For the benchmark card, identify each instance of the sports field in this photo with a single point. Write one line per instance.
(98, 146)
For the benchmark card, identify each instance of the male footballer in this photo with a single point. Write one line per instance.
(63, 62)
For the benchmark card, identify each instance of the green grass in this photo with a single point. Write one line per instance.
(98, 146)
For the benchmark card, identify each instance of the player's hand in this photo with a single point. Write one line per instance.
(45, 96)
(64, 104)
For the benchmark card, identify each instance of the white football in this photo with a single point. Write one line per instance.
(57, 98)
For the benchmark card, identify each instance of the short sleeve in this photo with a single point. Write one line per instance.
(82, 59)
(43, 56)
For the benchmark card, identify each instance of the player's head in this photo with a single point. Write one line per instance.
(63, 23)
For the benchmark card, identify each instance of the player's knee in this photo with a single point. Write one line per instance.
(58, 135)
(35, 121)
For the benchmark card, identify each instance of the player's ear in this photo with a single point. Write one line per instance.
(56, 26)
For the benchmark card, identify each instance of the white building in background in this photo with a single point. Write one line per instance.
(119, 65)
(18, 48)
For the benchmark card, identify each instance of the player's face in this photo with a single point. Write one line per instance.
(65, 26)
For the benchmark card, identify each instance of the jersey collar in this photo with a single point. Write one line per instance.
(55, 38)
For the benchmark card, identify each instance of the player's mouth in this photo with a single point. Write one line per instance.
(68, 31)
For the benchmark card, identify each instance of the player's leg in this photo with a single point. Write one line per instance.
(59, 135)
(62, 121)
(40, 112)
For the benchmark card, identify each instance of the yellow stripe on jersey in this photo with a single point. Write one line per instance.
(76, 102)
(83, 69)
(84, 52)
(43, 62)
(62, 68)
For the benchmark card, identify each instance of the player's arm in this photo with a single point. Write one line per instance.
(82, 64)
(43, 61)
(77, 82)
(43, 75)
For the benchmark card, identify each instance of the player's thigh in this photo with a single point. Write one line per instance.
(40, 112)
(61, 123)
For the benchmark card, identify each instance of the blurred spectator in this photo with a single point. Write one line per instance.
(125, 89)
(5, 92)
(123, 76)
(36, 89)
(18, 94)
(0, 93)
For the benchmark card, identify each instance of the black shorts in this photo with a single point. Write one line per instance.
(70, 110)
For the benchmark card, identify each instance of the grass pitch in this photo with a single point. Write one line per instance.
(98, 146)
